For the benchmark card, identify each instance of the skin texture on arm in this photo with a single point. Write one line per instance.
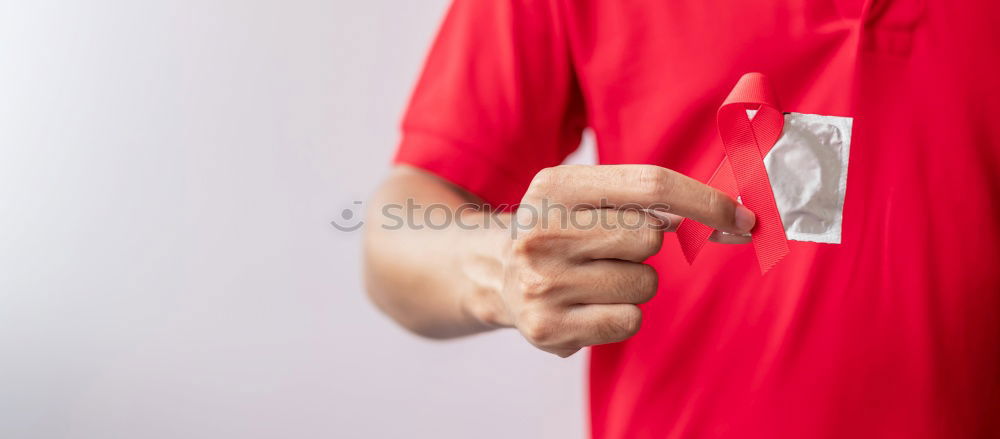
(561, 281)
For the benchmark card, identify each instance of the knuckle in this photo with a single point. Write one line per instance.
(522, 248)
(545, 180)
(718, 204)
(642, 243)
(712, 200)
(538, 328)
(534, 286)
(628, 323)
(649, 282)
(621, 325)
(652, 241)
(654, 181)
(532, 242)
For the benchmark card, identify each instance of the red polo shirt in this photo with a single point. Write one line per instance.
(895, 332)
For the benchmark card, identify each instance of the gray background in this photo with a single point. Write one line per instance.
(168, 169)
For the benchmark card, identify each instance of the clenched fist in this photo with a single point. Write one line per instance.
(573, 272)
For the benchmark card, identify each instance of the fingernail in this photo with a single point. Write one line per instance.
(745, 219)
(659, 214)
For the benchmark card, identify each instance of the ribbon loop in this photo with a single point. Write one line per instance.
(750, 122)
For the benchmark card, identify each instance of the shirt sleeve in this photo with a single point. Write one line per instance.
(497, 101)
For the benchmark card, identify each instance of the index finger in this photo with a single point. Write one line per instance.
(642, 186)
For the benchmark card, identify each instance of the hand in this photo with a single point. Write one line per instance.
(567, 284)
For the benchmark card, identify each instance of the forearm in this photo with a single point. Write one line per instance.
(441, 281)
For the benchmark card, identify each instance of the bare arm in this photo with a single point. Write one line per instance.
(439, 282)
(562, 286)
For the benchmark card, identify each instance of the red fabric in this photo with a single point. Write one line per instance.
(747, 141)
(895, 332)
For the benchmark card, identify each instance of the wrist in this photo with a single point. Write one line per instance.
(481, 260)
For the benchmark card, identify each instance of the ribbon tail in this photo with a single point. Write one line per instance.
(743, 153)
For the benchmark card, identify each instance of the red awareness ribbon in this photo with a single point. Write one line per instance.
(747, 140)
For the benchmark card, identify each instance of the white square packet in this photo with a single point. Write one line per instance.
(807, 168)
